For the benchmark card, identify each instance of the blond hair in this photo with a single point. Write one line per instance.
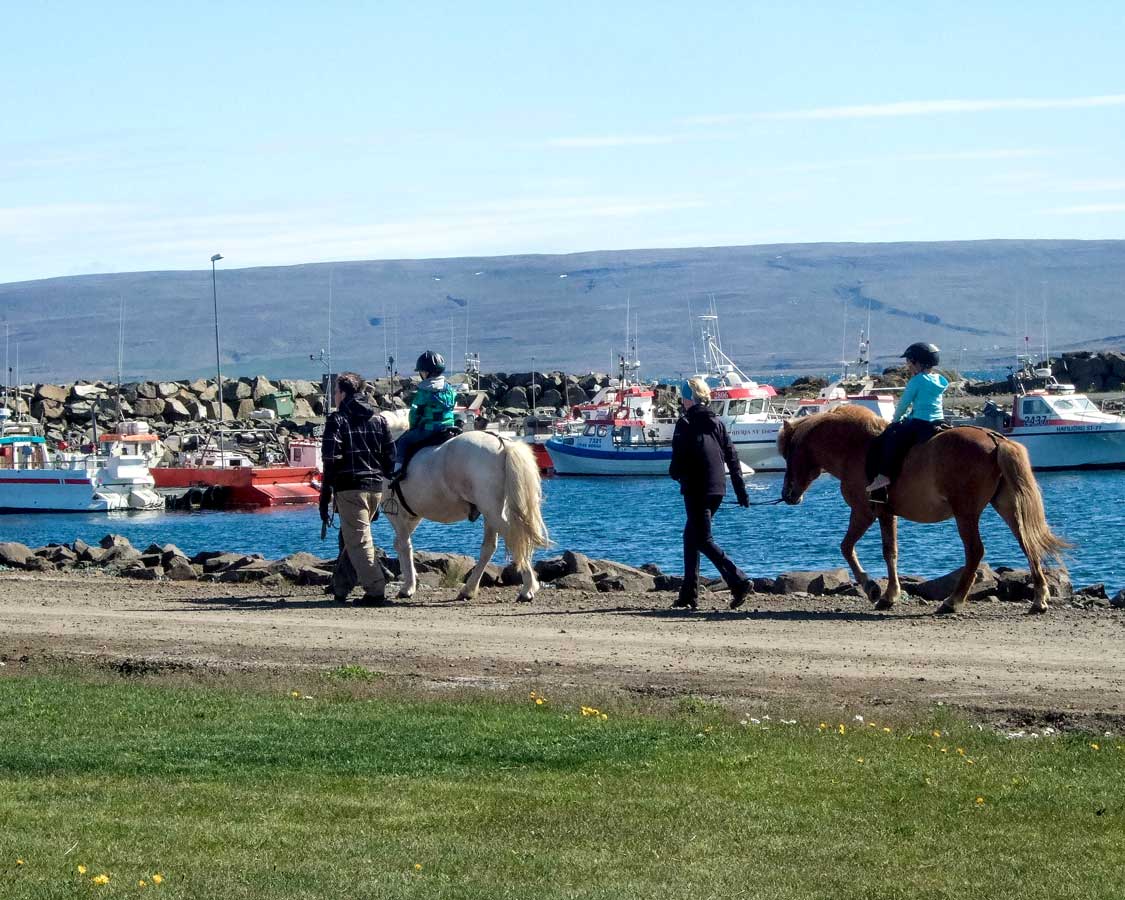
(700, 389)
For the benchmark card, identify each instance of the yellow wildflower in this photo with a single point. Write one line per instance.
(142, 883)
(887, 730)
(980, 801)
(961, 751)
(19, 862)
(842, 728)
(859, 759)
(604, 717)
(969, 761)
(81, 870)
(823, 725)
(937, 734)
(294, 693)
(101, 879)
(944, 749)
(539, 701)
(157, 878)
(1095, 746)
(417, 867)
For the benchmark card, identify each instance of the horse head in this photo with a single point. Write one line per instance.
(801, 467)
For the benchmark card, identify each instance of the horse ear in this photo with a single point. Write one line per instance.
(783, 438)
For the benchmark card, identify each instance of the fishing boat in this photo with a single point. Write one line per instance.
(219, 477)
(1061, 428)
(33, 479)
(627, 440)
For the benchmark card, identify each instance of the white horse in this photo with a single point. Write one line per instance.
(476, 473)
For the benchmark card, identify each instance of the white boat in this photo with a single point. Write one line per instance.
(624, 440)
(32, 479)
(1060, 428)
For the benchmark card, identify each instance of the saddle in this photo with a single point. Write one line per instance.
(435, 439)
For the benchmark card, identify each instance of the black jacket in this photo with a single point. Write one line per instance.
(702, 453)
(357, 447)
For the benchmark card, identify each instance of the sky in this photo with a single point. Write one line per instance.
(142, 136)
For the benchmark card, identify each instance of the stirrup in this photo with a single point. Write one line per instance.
(474, 513)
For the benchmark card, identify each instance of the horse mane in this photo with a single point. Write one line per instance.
(794, 431)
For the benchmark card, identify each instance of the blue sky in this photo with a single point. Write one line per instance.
(139, 137)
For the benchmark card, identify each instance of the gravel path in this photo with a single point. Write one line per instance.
(777, 651)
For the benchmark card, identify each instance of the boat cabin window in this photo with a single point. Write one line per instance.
(589, 430)
(736, 408)
(718, 407)
(603, 430)
(1034, 406)
(757, 406)
(1073, 404)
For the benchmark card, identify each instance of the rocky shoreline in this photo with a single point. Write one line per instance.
(69, 411)
(115, 555)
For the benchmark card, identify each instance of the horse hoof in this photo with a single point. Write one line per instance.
(884, 604)
(464, 597)
(1036, 610)
(946, 609)
(405, 595)
(871, 589)
(523, 598)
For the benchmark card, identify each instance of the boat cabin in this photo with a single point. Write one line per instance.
(24, 451)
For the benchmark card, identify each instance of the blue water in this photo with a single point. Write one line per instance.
(639, 520)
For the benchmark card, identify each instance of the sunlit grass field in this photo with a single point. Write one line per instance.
(325, 789)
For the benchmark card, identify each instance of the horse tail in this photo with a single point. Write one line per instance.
(523, 496)
(1035, 534)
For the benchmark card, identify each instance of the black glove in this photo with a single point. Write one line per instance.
(326, 504)
(741, 495)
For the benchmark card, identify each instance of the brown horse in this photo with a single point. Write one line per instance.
(956, 473)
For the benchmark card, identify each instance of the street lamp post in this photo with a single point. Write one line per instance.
(218, 364)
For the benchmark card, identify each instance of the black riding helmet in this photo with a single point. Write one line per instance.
(431, 362)
(926, 355)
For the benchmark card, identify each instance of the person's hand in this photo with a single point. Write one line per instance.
(742, 497)
(326, 505)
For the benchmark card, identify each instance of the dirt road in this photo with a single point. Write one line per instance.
(777, 651)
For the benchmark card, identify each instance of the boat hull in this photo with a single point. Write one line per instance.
(756, 445)
(244, 486)
(45, 490)
(569, 459)
(1072, 447)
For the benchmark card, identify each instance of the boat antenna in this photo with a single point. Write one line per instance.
(7, 364)
(329, 387)
(218, 366)
(691, 324)
(120, 350)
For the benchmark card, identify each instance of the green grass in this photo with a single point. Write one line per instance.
(330, 793)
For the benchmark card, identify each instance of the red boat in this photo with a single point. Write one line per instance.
(232, 480)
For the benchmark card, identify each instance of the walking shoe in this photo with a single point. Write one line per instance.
(688, 598)
(739, 592)
(880, 482)
(372, 600)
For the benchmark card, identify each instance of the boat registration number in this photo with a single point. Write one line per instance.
(1036, 420)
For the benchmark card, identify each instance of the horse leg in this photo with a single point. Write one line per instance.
(404, 547)
(487, 549)
(860, 521)
(888, 528)
(968, 526)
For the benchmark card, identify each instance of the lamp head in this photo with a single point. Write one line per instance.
(216, 257)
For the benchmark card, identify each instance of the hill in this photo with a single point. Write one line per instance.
(782, 308)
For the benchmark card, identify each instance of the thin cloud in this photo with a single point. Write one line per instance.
(908, 108)
(1086, 209)
(614, 140)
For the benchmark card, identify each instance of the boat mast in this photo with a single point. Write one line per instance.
(120, 352)
(218, 365)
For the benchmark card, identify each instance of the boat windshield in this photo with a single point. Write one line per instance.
(1073, 404)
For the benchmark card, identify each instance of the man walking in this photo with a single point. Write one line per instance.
(358, 453)
(702, 454)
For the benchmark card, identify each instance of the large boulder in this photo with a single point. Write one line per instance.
(46, 410)
(148, 408)
(14, 554)
(234, 391)
(245, 409)
(575, 395)
(1016, 585)
(176, 411)
(147, 390)
(56, 392)
(552, 398)
(576, 583)
(262, 387)
(577, 564)
(83, 391)
(984, 583)
(302, 409)
(166, 389)
(514, 398)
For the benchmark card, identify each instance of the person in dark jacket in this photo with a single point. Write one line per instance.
(358, 453)
(702, 455)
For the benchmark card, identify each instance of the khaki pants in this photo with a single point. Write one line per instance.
(357, 510)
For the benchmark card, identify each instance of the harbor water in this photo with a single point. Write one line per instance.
(639, 520)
